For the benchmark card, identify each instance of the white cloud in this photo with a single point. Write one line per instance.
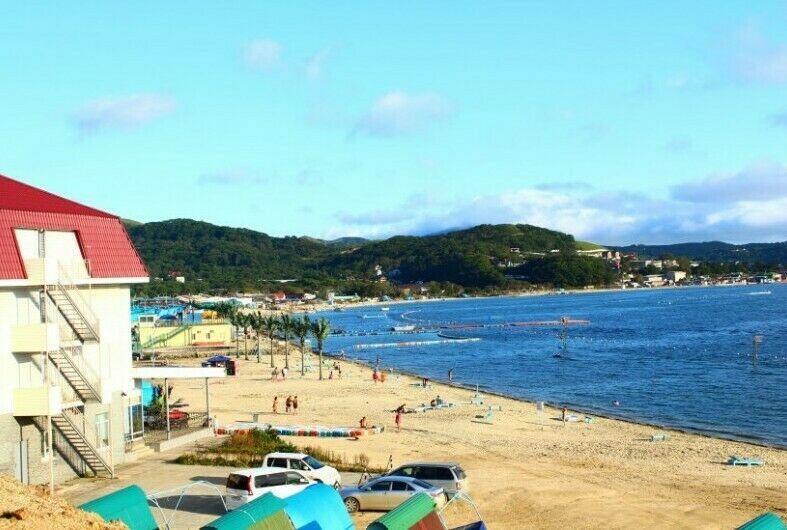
(230, 177)
(124, 112)
(398, 113)
(262, 54)
(758, 59)
(732, 212)
(759, 182)
(315, 65)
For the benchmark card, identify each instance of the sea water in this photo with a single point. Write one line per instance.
(679, 357)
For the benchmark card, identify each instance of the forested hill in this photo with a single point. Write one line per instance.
(716, 251)
(236, 258)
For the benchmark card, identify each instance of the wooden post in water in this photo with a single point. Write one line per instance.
(755, 347)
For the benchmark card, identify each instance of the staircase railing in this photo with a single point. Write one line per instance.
(163, 338)
(84, 369)
(69, 289)
(102, 451)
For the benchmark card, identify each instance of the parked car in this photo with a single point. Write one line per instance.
(246, 485)
(308, 465)
(386, 493)
(451, 477)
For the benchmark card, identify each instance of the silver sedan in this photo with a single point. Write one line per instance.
(386, 493)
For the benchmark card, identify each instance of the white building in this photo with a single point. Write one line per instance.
(65, 346)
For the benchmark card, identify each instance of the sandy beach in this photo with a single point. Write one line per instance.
(527, 469)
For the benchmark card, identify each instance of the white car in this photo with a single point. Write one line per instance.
(308, 465)
(246, 485)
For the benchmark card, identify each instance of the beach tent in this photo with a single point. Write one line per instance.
(318, 507)
(265, 513)
(416, 513)
(217, 359)
(766, 521)
(129, 506)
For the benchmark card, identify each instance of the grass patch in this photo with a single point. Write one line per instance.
(247, 449)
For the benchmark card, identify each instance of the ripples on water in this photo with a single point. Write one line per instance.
(677, 357)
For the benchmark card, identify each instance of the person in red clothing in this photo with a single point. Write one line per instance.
(398, 420)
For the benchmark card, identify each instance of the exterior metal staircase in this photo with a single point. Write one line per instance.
(77, 375)
(163, 338)
(83, 440)
(74, 316)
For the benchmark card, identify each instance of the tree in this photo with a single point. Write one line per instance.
(321, 329)
(235, 320)
(256, 324)
(246, 321)
(270, 324)
(302, 327)
(285, 325)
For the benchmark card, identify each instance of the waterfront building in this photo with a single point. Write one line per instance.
(67, 395)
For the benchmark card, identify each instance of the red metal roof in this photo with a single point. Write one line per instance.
(102, 236)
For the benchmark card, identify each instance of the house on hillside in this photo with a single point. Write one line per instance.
(65, 343)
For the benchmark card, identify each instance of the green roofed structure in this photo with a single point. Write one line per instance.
(129, 506)
(418, 513)
(265, 513)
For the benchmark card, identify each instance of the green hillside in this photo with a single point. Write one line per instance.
(717, 251)
(217, 257)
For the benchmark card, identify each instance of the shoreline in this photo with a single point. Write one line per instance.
(572, 407)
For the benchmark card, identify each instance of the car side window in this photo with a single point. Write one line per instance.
(277, 479)
(261, 481)
(428, 473)
(296, 478)
(382, 486)
(297, 464)
(399, 486)
(277, 462)
(403, 472)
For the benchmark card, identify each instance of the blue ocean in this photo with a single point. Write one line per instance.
(673, 357)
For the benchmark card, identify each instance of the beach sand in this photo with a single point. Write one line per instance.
(527, 469)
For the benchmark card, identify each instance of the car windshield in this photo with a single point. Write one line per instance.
(313, 462)
(422, 484)
(237, 482)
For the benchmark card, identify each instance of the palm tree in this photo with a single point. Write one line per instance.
(246, 322)
(235, 320)
(303, 327)
(321, 329)
(270, 324)
(285, 325)
(257, 326)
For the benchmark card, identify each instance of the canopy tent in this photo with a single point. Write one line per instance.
(265, 513)
(318, 507)
(128, 505)
(416, 513)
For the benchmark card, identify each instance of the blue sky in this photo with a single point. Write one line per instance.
(619, 122)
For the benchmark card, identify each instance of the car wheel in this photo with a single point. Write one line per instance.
(352, 504)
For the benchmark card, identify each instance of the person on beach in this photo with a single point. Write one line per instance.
(288, 405)
(284, 374)
(451, 375)
(295, 405)
(275, 404)
(398, 421)
(400, 409)
(563, 415)
(382, 377)
(275, 373)
(330, 375)
(364, 423)
(375, 376)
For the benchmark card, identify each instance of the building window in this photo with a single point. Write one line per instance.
(102, 430)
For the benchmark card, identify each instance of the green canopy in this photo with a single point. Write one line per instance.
(265, 513)
(128, 505)
(766, 521)
(406, 514)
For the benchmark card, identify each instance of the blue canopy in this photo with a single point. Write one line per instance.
(318, 507)
(218, 359)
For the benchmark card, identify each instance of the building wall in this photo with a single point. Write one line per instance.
(195, 335)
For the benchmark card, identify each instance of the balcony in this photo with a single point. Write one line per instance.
(35, 338)
(37, 401)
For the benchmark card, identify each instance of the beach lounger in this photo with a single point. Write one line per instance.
(741, 461)
(495, 407)
(489, 417)
(659, 437)
(588, 419)
(477, 400)
(571, 418)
